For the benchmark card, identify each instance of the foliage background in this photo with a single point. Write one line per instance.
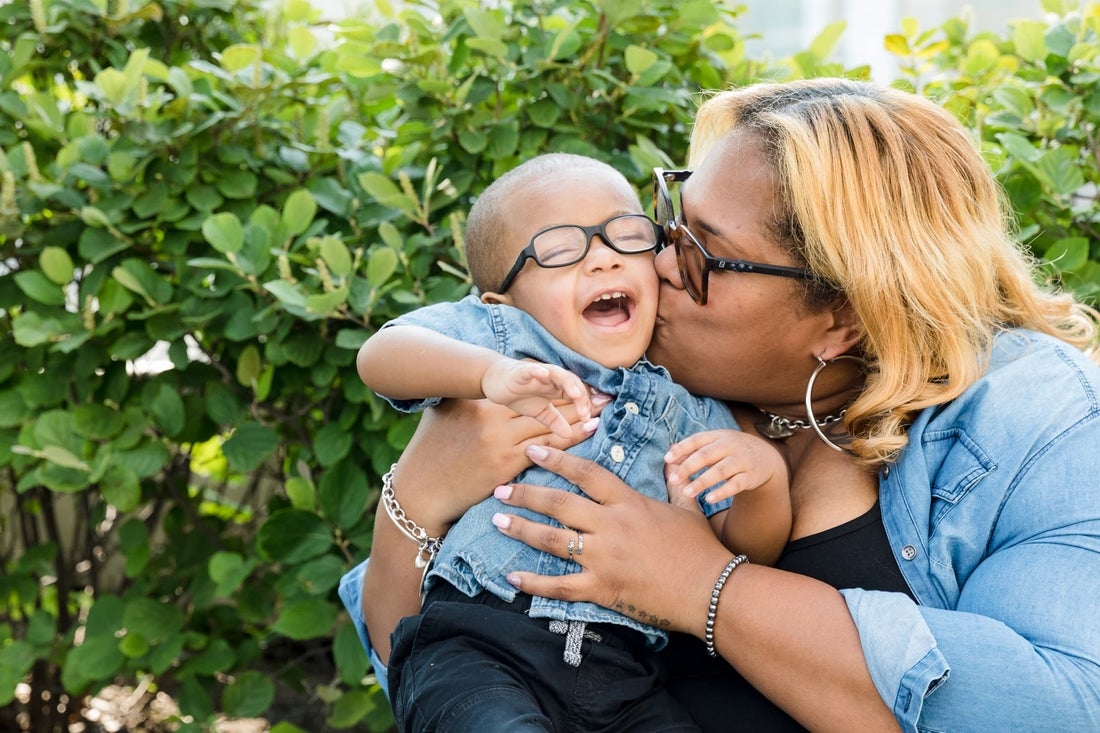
(249, 192)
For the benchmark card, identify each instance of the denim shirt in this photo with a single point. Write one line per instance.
(993, 514)
(648, 413)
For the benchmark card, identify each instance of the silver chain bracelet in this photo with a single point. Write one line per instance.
(427, 546)
(712, 609)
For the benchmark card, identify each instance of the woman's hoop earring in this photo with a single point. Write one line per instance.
(821, 364)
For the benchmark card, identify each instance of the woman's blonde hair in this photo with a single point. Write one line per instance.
(886, 198)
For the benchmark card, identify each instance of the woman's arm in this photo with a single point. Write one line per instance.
(460, 451)
(792, 637)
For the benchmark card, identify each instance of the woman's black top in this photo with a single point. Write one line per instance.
(854, 555)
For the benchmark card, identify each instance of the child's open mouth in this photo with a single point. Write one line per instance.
(610, 310)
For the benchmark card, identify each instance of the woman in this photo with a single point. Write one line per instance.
(939, 412)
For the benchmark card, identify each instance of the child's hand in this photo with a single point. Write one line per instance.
(528, 387)
(744, 462)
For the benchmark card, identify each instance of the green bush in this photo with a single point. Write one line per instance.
(1033, 99)
(253, 192)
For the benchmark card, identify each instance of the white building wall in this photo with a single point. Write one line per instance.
(788, 26)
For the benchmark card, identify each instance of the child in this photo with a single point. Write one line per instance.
(563, 257)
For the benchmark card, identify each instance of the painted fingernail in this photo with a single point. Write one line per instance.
(503, 492)
(600, 398)
(513, 579)
(591, 425)
(502, 521)
(537, 452)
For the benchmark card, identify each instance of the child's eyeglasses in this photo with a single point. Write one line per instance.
(565, 245)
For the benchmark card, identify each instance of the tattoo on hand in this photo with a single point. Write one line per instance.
(629, 609)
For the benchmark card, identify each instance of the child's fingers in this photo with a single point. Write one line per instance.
(574, 389)
(553, 419)
(687, 446)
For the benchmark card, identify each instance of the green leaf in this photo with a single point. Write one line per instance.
(332, 443)
(121, 488)
(823, 45)
(228, 570)
(301, 494)
(133, 646)
(151, 619)
(1028, 38)
(981, 57)
(38, 287)
(97, 659)
(249, 446)
(385, 191)
(1068, 254)
(139, 277)
(248, 695)
(249, 366)
(97, 421)
(165, 406)
(224, 232)
(56, 265)
(342, 492)
(1018, 147)
(240, 56)
(1061, 171)
(897, 44)
(16, 660)
(638, 59)
(486, 24)
(381, 265)
(351, 708)
(308, 619)
(146, 460)
(112, 83)
(350, 656)
(292, 535)
(298, 211)
(289, 295)
(237, 184)
(336, 255)
(326, 304)
(194, 700)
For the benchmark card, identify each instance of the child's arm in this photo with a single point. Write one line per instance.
(759, 522)
(411, 362)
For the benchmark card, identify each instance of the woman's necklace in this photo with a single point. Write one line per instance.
(778, 427)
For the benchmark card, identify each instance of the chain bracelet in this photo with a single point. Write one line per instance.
(427, 546)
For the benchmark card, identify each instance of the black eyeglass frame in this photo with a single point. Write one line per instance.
(529, 252)
(674, 229)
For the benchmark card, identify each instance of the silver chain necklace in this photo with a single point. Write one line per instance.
(778, 427)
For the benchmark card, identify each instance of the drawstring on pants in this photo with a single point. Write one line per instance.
(575, 632)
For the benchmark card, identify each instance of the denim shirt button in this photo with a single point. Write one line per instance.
(908, 552)
(618, 454)
(632, 408)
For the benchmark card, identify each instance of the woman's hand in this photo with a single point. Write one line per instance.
(653, 561)
(462, 449)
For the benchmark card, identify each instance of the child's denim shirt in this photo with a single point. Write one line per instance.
(648, 414)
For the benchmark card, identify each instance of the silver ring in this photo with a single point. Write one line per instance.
(572, 546)
(580, 542)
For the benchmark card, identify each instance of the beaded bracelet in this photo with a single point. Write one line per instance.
(712, 609)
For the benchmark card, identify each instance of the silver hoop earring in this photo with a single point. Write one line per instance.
(821, 364)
